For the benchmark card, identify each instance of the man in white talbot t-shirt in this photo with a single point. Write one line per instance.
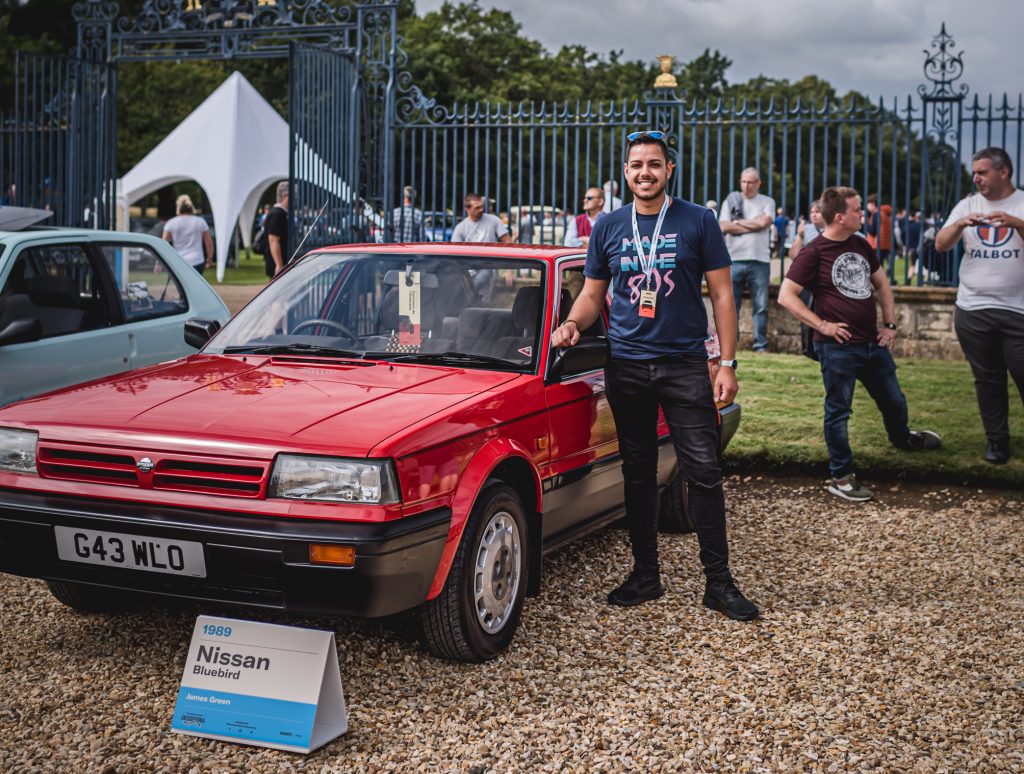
(989, 316)
(746, 221)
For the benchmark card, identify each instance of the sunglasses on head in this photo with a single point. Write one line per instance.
(654, 135)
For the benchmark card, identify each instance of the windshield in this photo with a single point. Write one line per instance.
(461, 310)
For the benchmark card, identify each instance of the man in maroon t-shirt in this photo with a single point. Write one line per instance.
(842, 270)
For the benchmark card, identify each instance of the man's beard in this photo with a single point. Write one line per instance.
(646, 197)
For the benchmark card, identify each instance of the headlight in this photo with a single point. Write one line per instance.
(333, 479)
(18, 450)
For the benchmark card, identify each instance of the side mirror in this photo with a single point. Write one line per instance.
(199, 331)
(589, 354)
(21, 331)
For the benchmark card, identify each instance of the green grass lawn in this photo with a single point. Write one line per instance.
(250, 271)
(782, 398)
(782, 417)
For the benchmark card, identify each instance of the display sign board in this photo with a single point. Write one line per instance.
(261, 684)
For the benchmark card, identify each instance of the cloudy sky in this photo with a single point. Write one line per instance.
(874, 46)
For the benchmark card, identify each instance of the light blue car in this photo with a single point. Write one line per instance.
(78, 304)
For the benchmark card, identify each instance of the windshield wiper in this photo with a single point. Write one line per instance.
(461, 358)
(297, 348)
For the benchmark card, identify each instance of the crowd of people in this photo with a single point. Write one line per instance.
(839, 256)
(656, 357)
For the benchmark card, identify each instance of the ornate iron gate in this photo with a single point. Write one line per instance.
(63, 136)
(63, 139)
(324, 148)
(361, 129)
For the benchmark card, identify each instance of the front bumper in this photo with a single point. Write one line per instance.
(253, 561)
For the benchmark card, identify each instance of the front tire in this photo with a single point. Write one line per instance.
(477, 612)
(674, 512)
(91, 599)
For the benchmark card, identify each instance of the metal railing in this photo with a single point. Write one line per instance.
(547, 156)
(912, 152)
(57, 150)
(361, 130)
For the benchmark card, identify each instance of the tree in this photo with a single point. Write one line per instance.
(463, 52)
(704, 76)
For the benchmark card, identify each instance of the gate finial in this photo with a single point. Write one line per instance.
(666, 80)
(942, 67)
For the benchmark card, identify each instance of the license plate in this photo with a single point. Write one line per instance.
(114, 549)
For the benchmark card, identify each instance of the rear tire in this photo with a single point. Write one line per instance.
(674, 511)
(92, 599)
(477, 612)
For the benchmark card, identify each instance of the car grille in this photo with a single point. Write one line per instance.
(180, 473)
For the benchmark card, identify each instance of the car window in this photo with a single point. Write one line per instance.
(484, 311)
(147, 286)
(57, 285)
(571, 285)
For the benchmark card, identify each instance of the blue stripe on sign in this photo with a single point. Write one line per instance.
(246, 718)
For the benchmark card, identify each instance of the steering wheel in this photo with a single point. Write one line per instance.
(336, 326)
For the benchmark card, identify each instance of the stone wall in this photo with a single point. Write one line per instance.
(924, 316)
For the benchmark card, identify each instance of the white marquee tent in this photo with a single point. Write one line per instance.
(234, 145)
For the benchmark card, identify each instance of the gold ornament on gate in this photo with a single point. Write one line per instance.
(666, 80)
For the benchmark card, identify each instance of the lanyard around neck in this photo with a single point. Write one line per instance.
(647, 260)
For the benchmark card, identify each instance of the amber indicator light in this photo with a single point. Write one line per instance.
(325, 553)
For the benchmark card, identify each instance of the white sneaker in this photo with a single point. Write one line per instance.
(848, 488)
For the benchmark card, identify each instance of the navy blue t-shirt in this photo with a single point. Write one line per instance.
(690, 244)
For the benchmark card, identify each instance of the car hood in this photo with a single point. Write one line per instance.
(256, 405)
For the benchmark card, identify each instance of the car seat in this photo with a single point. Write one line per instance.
(53, 301)
(480, 330)
(525, 314)
(389, 321)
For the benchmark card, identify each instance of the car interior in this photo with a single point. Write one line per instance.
(509, 334)
(57, 287)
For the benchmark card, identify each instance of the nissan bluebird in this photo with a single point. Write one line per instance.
(382, 429)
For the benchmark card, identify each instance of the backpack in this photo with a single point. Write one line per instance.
(259, 240)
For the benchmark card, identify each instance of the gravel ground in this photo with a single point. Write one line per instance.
(892, 640)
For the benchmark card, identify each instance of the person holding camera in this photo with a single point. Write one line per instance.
(989, 317)
(746, 221)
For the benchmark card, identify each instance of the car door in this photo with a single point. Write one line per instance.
(585, 478)
(61, 284)
(152, 299)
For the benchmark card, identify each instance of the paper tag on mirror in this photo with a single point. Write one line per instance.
(409, 297)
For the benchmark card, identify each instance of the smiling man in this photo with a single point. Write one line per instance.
(654, 255)
(989, 317)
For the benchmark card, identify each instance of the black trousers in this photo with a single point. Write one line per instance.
(993, 343)
(681, 385)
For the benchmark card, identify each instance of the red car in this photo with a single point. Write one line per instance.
(383, 428)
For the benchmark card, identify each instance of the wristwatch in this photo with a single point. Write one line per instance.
(890, 326)
(729, 363)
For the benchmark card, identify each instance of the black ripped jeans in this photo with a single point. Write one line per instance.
(681, 385)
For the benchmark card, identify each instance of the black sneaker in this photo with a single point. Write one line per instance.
(638, 588)
(726, 598)
(919, 440)
(848, 488)
(998, 451)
